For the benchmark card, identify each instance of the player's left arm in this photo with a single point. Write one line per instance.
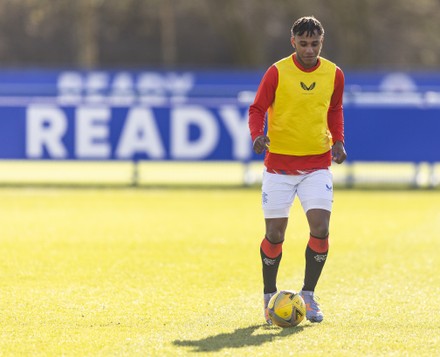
(335, 119)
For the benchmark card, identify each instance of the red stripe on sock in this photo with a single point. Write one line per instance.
(318, 245)
(271, 250)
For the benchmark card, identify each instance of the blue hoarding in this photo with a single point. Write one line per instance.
(153, 115)
(99, 132)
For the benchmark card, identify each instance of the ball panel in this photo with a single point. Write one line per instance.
(278, 320)
(283, 306)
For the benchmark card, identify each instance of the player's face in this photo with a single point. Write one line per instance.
(307, 48)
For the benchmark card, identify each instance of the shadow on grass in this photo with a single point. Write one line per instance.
(241, 337)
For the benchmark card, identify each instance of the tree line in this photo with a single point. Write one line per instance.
(201, 34)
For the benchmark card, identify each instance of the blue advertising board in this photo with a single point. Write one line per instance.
(159, 115)
(99, 132)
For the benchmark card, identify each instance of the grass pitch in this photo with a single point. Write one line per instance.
(177, 272)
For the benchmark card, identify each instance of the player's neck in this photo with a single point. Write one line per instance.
(301, 66)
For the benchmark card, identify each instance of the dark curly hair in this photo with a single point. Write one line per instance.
(308, 25)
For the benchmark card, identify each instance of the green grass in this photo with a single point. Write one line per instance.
(175, 272)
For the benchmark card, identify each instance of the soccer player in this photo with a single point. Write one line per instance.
(302, 95)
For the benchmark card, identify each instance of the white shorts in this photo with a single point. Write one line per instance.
(314, 190)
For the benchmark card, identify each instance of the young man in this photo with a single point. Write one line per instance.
(302, 94)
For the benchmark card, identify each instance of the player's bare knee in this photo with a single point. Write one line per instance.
(319, 230)
(275, 235)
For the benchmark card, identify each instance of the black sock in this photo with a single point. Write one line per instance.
(270, 264)
(314, 265)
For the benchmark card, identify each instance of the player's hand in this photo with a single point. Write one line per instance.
(338, 152)
(261, 143)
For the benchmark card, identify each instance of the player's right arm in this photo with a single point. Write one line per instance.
(261, 143)
(257, 111)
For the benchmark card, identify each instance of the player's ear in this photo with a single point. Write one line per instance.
(292, 41)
